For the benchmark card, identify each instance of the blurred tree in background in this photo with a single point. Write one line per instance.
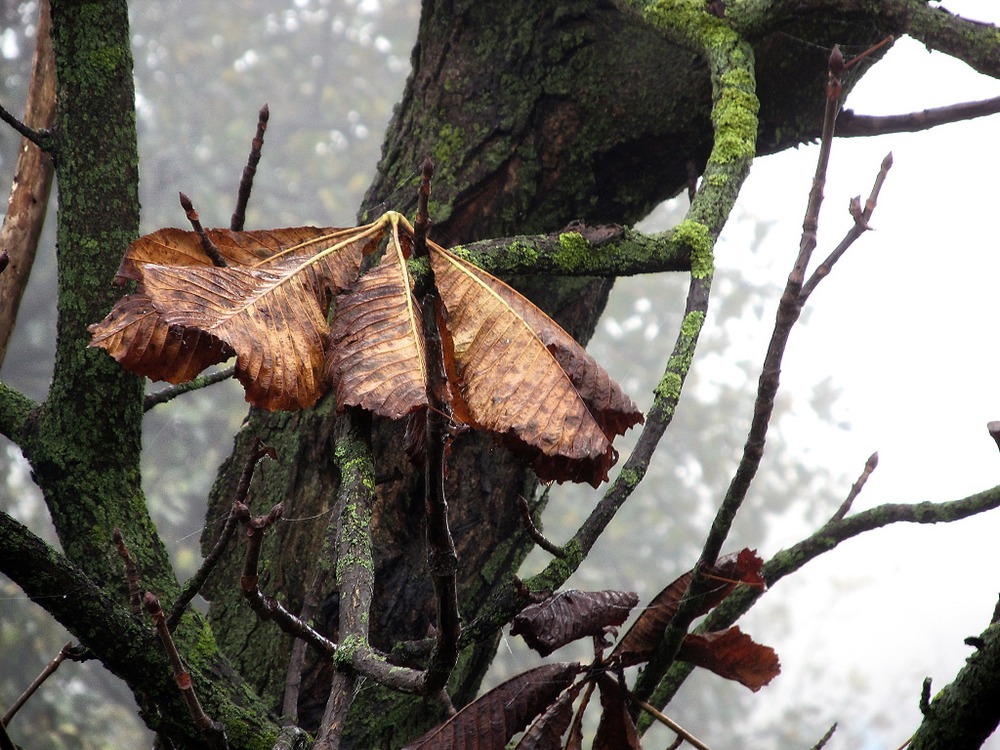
(331, 73)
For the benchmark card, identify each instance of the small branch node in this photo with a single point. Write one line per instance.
(527, 594)
(856, 488)
(925, 697)
(131, 572)
(529, 526)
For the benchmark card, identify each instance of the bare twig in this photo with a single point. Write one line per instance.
(852, 124)
(213, 731)
(258, 452)
(29, 195)
(856, 488)
(297, 659)
(861, 217)
(39, 138)
(534, 533)
(789, 310)
(66, 652)
(131, 572)
(208, 247)
(266, 607)
(670, 723)
(824, 539)
(422, 226)
(442, 560)
(825, 738)
(249, 171)
(202, 381)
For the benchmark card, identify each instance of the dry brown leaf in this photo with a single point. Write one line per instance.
(138, 337)
(646, 632)
(521, 376)
(377, 359)
(568, 615)
(268, 306)
(732, 654)
(489, 722)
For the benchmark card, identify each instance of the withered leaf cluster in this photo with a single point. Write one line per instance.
(512, 370)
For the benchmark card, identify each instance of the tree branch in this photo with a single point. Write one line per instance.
(852, 124)
(202, 381)
(829, 536)
(29, 196)
(16, 412)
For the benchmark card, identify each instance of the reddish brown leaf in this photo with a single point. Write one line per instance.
(647, 631)
(547, 730)
(489, 722)
(377, 359)
(523, 377)
(616, 731)
(569, 615)
(732, 654)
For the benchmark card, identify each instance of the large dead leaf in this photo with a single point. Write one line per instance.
(268, 306)
(732, 654)
(524, 378)
(511, 369)
(647, 631)
(489, 722)
(568, 615)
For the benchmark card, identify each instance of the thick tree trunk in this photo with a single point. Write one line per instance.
(536, 114)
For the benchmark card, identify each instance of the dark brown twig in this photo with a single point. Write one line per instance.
(258, 452)
(249, 171)
(213, 731)
(422, 225)
(845, 507)
(39, 137)
(131, 572)
(442, 559)
(208, 247)
(534, 533)
(202, 381)
(852, 124)
(266, 607)
(66, 652)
